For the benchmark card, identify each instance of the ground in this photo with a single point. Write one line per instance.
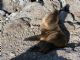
(20, 19)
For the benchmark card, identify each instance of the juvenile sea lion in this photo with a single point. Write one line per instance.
(51, 34)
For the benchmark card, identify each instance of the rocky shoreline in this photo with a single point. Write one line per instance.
(20, 19)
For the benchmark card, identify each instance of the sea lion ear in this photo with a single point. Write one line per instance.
(57, 12)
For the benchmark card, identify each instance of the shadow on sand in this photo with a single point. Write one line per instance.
(28, 55)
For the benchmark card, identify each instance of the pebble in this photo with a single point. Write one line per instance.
(12, 54)
(2, 12)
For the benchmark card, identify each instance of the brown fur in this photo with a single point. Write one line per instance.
(51, 36)
(51, 32)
